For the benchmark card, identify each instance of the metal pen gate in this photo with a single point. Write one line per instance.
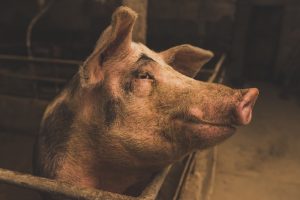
(190, 178)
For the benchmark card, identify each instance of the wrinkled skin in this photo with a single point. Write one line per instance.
(129, 112)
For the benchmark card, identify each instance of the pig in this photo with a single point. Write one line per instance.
(129, 112)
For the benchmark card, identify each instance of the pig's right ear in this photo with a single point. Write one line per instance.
(186, 59)
(115, 40)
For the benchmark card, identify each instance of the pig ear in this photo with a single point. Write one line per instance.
(186, 59)
(118, 36)
(116, 39)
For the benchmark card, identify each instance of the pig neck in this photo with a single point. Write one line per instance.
(88, 168)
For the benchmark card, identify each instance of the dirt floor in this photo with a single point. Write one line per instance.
(262, 161)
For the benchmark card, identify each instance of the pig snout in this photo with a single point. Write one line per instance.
(245, 106)
(235, 108)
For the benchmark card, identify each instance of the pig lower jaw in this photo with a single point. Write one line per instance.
(198, 136)
(191, 119)
(194, 119)
(217, 124)
(206, 127)
(211, 126)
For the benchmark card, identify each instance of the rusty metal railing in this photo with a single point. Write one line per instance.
(151, 192)
(39, 60)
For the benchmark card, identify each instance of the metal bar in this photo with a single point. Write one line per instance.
(34, 78)
(57, 187)
(207, 71)
(41, 60)
(33, 21)
(152, 190)
(184, 175)
(211, 181)
(217, 68)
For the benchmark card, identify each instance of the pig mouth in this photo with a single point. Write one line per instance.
(194, 121)
(197, 133)
(200, 133)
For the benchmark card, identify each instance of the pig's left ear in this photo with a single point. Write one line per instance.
(118, 36)
(115, 40)
(186, 59)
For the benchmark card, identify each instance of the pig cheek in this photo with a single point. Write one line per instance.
(212, 135)
(142, 88)
(201, 136)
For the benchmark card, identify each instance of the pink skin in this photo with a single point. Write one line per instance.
(215, 131)
(245, 107)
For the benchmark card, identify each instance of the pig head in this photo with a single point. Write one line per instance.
(129, 112)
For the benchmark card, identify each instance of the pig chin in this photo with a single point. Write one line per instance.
(200, 135)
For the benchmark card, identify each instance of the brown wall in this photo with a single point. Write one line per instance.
(289, 36)
(200, 22)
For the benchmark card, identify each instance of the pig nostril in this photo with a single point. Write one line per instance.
(244, 91)
(247, 105)
(244, 108)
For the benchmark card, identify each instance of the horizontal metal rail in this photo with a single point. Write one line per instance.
(33, 78)
(73, 191)
(57, 187)
(40, 60)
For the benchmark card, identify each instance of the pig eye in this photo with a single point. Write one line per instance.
(141, 84)
(144, 76)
